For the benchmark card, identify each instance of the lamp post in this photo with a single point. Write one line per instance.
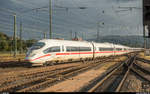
(51, 14)
(15, 29)
(21, 36)
(98, 26)
(14, 38)
(50, 19)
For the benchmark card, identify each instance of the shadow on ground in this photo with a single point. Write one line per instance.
(12, 64)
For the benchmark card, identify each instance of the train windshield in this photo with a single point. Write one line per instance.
(38, 45)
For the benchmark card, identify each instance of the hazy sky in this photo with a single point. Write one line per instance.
(117, 21)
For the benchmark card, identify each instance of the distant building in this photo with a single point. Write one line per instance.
(146, 12)
(146, 15)
(12, 38)
(59, 38)
(77, 39)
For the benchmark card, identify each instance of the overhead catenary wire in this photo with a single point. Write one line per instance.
(59, 22)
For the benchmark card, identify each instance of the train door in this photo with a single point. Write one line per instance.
(61, 55)
(79, 52)
(114, 49)
(93, 50)
(64, 50)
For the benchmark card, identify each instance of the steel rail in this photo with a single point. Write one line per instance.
(57, 78)
(143, 60)
(42, 78)
(33, 75)
(112, 72)
(34, 72)
(37, 72)
(125, 76)
(139, 74)
(142, 68)
(60, 77)
(106, 77)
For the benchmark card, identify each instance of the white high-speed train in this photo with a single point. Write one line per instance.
(52, 50)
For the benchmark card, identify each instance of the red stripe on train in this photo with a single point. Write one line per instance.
(74, 54)
(40, 57)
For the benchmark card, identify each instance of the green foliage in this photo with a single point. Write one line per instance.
(7, 44)
(4, 46)
(29, 43)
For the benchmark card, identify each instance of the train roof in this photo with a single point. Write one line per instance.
(81, 42)
(72, 42)
(65, 42)
(57, 40)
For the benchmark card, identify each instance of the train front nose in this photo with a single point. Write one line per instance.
(34, 60)
(30, 58)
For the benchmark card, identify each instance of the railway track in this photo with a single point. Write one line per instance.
(106, 81)
(44, 77)
(143, 60)
(142, 72)
(114, 79)
(11, 58)
(22, 63)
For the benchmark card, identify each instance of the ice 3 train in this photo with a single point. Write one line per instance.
(47, 51)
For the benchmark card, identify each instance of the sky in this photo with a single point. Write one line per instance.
(67, 17)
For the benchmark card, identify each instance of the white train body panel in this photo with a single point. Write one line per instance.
(61, 50)
(99, 52)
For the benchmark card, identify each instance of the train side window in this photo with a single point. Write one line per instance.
(38, 45)
(84, 48)
(118, 49)
(52, 49)
(105, 49)
(68, 49)
(72, 49)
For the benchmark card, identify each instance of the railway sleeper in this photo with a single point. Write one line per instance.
(25, 83)
(58, 78)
